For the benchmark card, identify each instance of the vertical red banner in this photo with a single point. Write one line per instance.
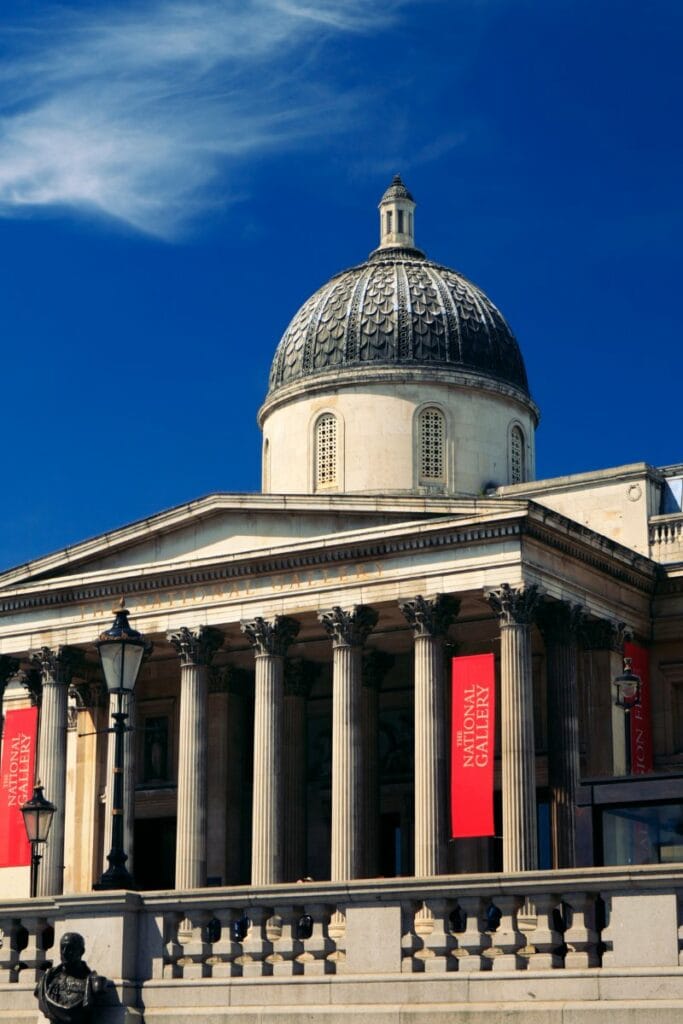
(641, 716)
(472, 745)
(17, 768)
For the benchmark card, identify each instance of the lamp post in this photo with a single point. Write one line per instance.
(121, 650)
(627, 687)
(37, 814)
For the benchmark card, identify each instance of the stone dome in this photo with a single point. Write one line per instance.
(398, 309)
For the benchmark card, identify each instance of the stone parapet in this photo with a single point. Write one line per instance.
(605, 940)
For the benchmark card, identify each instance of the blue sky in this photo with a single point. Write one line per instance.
(177, 177)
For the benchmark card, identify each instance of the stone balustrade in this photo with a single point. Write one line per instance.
(666, 538)
(608, 933)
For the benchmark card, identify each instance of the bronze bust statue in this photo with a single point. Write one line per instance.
(66, 993)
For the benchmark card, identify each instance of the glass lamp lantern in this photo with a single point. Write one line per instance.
(37, 814)
(627, 687)
(121, 649)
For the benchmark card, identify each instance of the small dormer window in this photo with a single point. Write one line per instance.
(326, 451)
(431, 446)
(516, 456)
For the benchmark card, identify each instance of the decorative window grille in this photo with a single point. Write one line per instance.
(326, 451)
(432, 431)
(516, 456)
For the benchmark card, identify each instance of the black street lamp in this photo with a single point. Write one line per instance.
(627, 687)
(121, 650)
(37, 814)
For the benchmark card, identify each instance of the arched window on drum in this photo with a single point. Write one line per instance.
(326, 452)
(517, 456)
(431, 443)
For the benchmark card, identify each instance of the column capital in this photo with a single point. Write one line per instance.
(57, 663)
(88, 694)
(376, 664)
(430, 616)
(514, 606)
(299, 677)
(271, 638)
(349, 628)
(605, 635)
(196, 646)
(560, 622)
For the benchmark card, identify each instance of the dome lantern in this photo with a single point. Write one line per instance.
(396, 211)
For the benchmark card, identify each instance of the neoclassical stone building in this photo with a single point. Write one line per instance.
(291, 725)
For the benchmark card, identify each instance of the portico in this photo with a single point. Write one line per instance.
(486, 582)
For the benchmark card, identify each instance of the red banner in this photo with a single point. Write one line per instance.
(641, 717)
(16, 784)
(472, 746)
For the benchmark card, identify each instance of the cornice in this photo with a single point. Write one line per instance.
(354, 376)
(382, 543)
(590, 548)
(524, 520)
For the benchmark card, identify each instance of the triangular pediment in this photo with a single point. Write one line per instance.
(223, 525)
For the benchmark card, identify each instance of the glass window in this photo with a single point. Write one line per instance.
(400, 221)
(643, 834)
(431, 442)
(516, 456)
(326, 451)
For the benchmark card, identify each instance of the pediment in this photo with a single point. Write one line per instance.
(225, 525)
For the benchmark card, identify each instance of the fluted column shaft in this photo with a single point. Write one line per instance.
(348, 630)
(515, 608)
(270, 641)
(51, 761)
(560, 624)
(196, 648)
(430, 620)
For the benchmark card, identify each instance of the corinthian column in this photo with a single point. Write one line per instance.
(54, 667)
(196, 649)
(430, 620)
(348, 631)
(560, 624)
(270, 641)
(515, 608)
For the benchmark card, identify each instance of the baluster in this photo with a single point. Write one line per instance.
(315, 950)
(469, 953)
(581, 934)
(9, 951)
(191, 936)
(280, 932)
(430, 926)
(224, 951)
(506, 938)
(256, 946)
(336, 930)
(544, 943)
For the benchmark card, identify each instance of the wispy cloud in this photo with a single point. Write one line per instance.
(136, 111)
